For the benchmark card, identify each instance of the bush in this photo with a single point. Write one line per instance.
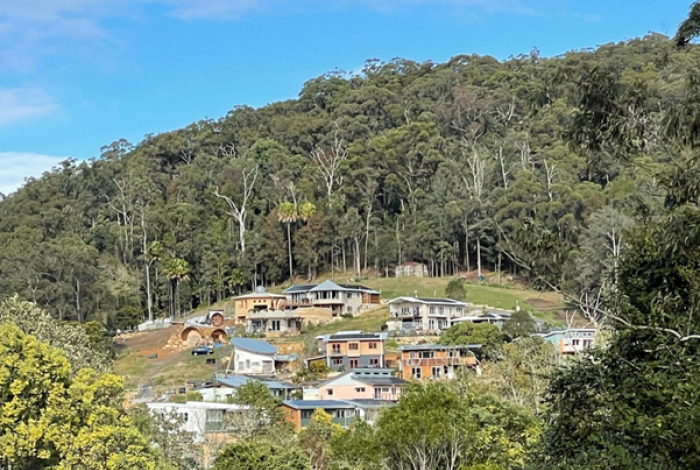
(456, 290)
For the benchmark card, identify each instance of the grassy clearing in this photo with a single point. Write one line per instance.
(132, 366)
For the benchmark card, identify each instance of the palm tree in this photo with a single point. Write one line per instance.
(177, 270)
(286, 214)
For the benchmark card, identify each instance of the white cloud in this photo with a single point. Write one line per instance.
(19, 104)
(15, 167)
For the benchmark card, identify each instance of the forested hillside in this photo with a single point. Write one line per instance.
(471, 164)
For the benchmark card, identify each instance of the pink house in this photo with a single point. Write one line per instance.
(365, 383)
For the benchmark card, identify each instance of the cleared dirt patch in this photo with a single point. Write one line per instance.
(543, 305)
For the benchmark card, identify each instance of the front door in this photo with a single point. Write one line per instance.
(377, 393)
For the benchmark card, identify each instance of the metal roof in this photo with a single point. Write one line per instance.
(379, 380)
(377, 336)
(302, 288)
(327, 285)
(315, 404)
(253, 345)
(423, 300)
(439, 347)
(264, 295)
(370, 403)
(235, 381)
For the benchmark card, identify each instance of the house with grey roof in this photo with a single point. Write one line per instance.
(341, 299)
(343, 412)
(363, 383)
(251, 356)
(225, 386)
(423, 314)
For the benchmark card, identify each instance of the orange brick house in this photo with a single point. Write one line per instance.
(258, 300)
(435, 361)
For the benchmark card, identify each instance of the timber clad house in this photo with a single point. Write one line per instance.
(435, 361)
(423, 314)
(351, 350)
(340, 299)
(343, 412)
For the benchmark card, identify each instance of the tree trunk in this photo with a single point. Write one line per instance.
(345, 262)
(149, 301)
(478, 255)
(289, 244)
(466, 247)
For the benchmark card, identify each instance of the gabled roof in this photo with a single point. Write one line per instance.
(428, 301)
(253, 345)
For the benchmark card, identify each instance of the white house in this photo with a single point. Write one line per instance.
(251, 356)
(423, 314)
(223, 388)
(198, 417)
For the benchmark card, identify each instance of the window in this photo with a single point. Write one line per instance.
(329, 392)
(337, 362)
(393, 390)
(412, 355)
(459, 310)
(441, 310)
(575, 342)
(426, 354)
(451, 354)
(437, 372)
(336, 349)
(374, 362)
(373, 345)
(353, 346)
(187, 416)
(306, 414)
(275, 325)
(416, 372)
(349, 295)
(353, 363)
(377, 393)
(432, 325)
(385, 390)
(432, 310)
(359, 389)
(247, 364)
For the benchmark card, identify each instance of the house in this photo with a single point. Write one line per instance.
(258, 300)
(340, 299)
(423, 314)
(251, 356)
(572, 340)
(276, 323)
(435, 361)
(197, 417)
(492, 316)
(351, 349)
(411, 269)
(363, 383)
(299, 412)
(225, 387)
(343, 412)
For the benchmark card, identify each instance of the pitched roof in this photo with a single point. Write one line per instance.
(381, 381)
(314, 404)
(347, 337)
(326, 285)
(235, 381)
(253, 345)
(301, 288)
(260, 295)
(425, 300)
(437, 347)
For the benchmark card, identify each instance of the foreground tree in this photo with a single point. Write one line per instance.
(51, 419)
(80, 350)
(260, 454)
(488, 336)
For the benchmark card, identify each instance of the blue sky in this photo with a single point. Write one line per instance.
(78, 74)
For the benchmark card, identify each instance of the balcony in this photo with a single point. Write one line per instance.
(442, 361)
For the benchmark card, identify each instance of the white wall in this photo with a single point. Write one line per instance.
(246, 362)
